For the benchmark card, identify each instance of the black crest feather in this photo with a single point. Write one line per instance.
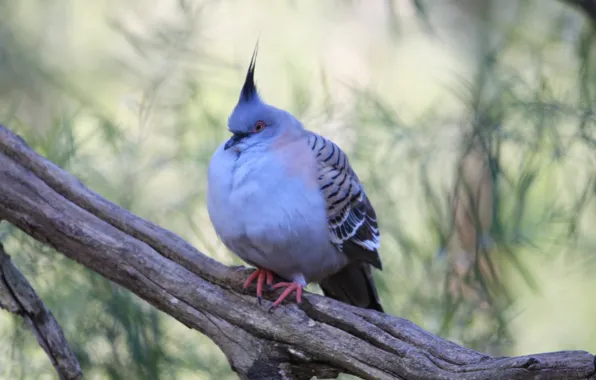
(249, 90)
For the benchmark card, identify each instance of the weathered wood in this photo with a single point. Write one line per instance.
(321, 338)
(18, 297)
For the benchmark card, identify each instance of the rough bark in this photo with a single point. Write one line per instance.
(18, 297)
(321, 337)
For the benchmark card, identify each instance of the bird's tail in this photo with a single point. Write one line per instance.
(353, 285)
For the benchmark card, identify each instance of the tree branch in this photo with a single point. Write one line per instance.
(322, 337)
(18, 297)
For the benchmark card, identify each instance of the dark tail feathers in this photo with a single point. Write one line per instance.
(353, 285)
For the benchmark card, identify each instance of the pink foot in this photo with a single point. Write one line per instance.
(261, 275)
(290, 287)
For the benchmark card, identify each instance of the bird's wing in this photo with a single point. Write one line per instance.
(352, 219)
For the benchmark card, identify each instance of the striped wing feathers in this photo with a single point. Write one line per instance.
(352, 219)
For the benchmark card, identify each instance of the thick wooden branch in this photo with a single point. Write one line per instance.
(321, 337)
(18, 297)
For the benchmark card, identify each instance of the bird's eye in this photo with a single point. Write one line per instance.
(259, 126)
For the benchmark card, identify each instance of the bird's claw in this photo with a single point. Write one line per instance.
(290, 287)
(264, 277)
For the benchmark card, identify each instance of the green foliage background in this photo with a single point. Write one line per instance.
(133, 97)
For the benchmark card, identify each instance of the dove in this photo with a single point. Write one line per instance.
(286, 201)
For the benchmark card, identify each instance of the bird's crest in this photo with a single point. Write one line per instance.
(249, 90)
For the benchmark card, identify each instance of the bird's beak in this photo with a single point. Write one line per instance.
(235, 139)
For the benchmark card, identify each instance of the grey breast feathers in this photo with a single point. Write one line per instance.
(352, 219)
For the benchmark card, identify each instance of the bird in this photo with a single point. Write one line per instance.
(286, 201)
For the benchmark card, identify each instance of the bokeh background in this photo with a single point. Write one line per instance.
(468, 121)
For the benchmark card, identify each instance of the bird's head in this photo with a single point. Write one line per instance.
(254, 122)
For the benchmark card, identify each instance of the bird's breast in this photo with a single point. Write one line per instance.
(258, 194)
(269, 214)
(276, 197)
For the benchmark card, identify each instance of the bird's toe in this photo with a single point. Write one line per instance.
(290, 288)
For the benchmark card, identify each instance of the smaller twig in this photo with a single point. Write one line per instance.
(18, 297)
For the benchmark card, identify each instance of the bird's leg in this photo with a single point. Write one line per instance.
(290, 287)
(269, 279)
(262, 276)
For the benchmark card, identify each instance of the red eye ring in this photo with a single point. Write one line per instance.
(259, 126)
